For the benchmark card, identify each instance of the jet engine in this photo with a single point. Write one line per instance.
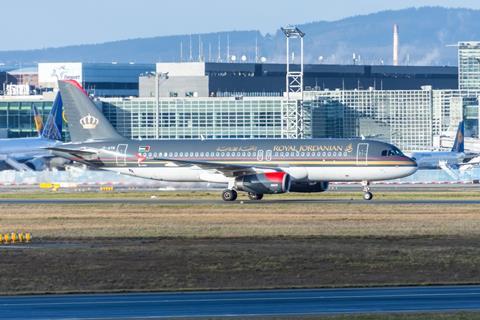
(37, 164)
(264, 183)
(309, 187)
(40, 164)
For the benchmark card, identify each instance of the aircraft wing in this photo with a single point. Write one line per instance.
(229, 170)
(472, 163)
(81, 153)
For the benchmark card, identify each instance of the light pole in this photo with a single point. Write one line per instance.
(158, 76)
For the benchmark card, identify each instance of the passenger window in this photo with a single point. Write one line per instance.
(384, 153)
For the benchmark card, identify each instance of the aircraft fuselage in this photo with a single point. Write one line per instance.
(303, 160)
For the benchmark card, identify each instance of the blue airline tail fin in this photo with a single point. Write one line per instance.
(53, 125)
(37, 118)
(459, 144)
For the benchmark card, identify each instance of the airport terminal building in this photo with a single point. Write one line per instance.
(408, 118)
(408, 106)
(203, 79)
(98, 79)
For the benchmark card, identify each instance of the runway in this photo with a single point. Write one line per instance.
(242, 303)
(319, 200)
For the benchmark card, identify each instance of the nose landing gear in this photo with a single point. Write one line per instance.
(367, 195)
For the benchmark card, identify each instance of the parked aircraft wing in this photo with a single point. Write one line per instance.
(470, 164)
(229, 170)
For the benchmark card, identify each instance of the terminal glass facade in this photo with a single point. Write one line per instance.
(113, 80)
(16, 117)
(210, 118)
(469, 65)
(402, 117)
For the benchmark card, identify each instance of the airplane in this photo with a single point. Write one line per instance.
(255, 166)
(27, 154)
(443, 159)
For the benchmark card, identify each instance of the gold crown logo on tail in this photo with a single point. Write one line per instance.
(89, 122)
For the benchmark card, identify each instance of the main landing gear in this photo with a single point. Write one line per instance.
(255, 196)
(367, 195)
(229, 195)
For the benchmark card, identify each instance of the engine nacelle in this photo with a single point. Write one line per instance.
(40, 164)
(264, 183)
(309, 187)
(37, 164)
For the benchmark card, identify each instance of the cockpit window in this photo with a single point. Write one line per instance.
(396, 151)
(392, 152)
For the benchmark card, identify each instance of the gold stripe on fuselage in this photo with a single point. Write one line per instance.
(266, 163)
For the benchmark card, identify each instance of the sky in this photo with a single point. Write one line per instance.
(34, 24)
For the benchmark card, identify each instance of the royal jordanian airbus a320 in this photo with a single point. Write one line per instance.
(263, 166)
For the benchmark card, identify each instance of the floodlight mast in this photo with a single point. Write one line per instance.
(294, 122)
(294, 79)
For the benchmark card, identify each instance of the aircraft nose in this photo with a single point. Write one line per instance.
(412, 163)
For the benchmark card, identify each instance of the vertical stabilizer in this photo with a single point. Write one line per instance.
(37, 118)
(54, 123)
(85, 121)
(459, 144)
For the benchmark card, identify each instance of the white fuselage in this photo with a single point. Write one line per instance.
(313, 174)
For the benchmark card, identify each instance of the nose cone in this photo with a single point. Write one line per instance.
(412, 164)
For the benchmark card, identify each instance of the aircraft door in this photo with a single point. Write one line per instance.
(121, 155)
(268, 155)
(260, 155)
(362, 154)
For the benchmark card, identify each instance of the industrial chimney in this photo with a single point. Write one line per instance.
(395, 45)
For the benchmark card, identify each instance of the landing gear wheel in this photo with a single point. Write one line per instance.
(229, 195)
(255, 196)
(368, 195)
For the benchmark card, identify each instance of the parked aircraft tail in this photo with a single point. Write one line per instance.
(459, 144)
(85, 121)
(54, 123)
(37, 118)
